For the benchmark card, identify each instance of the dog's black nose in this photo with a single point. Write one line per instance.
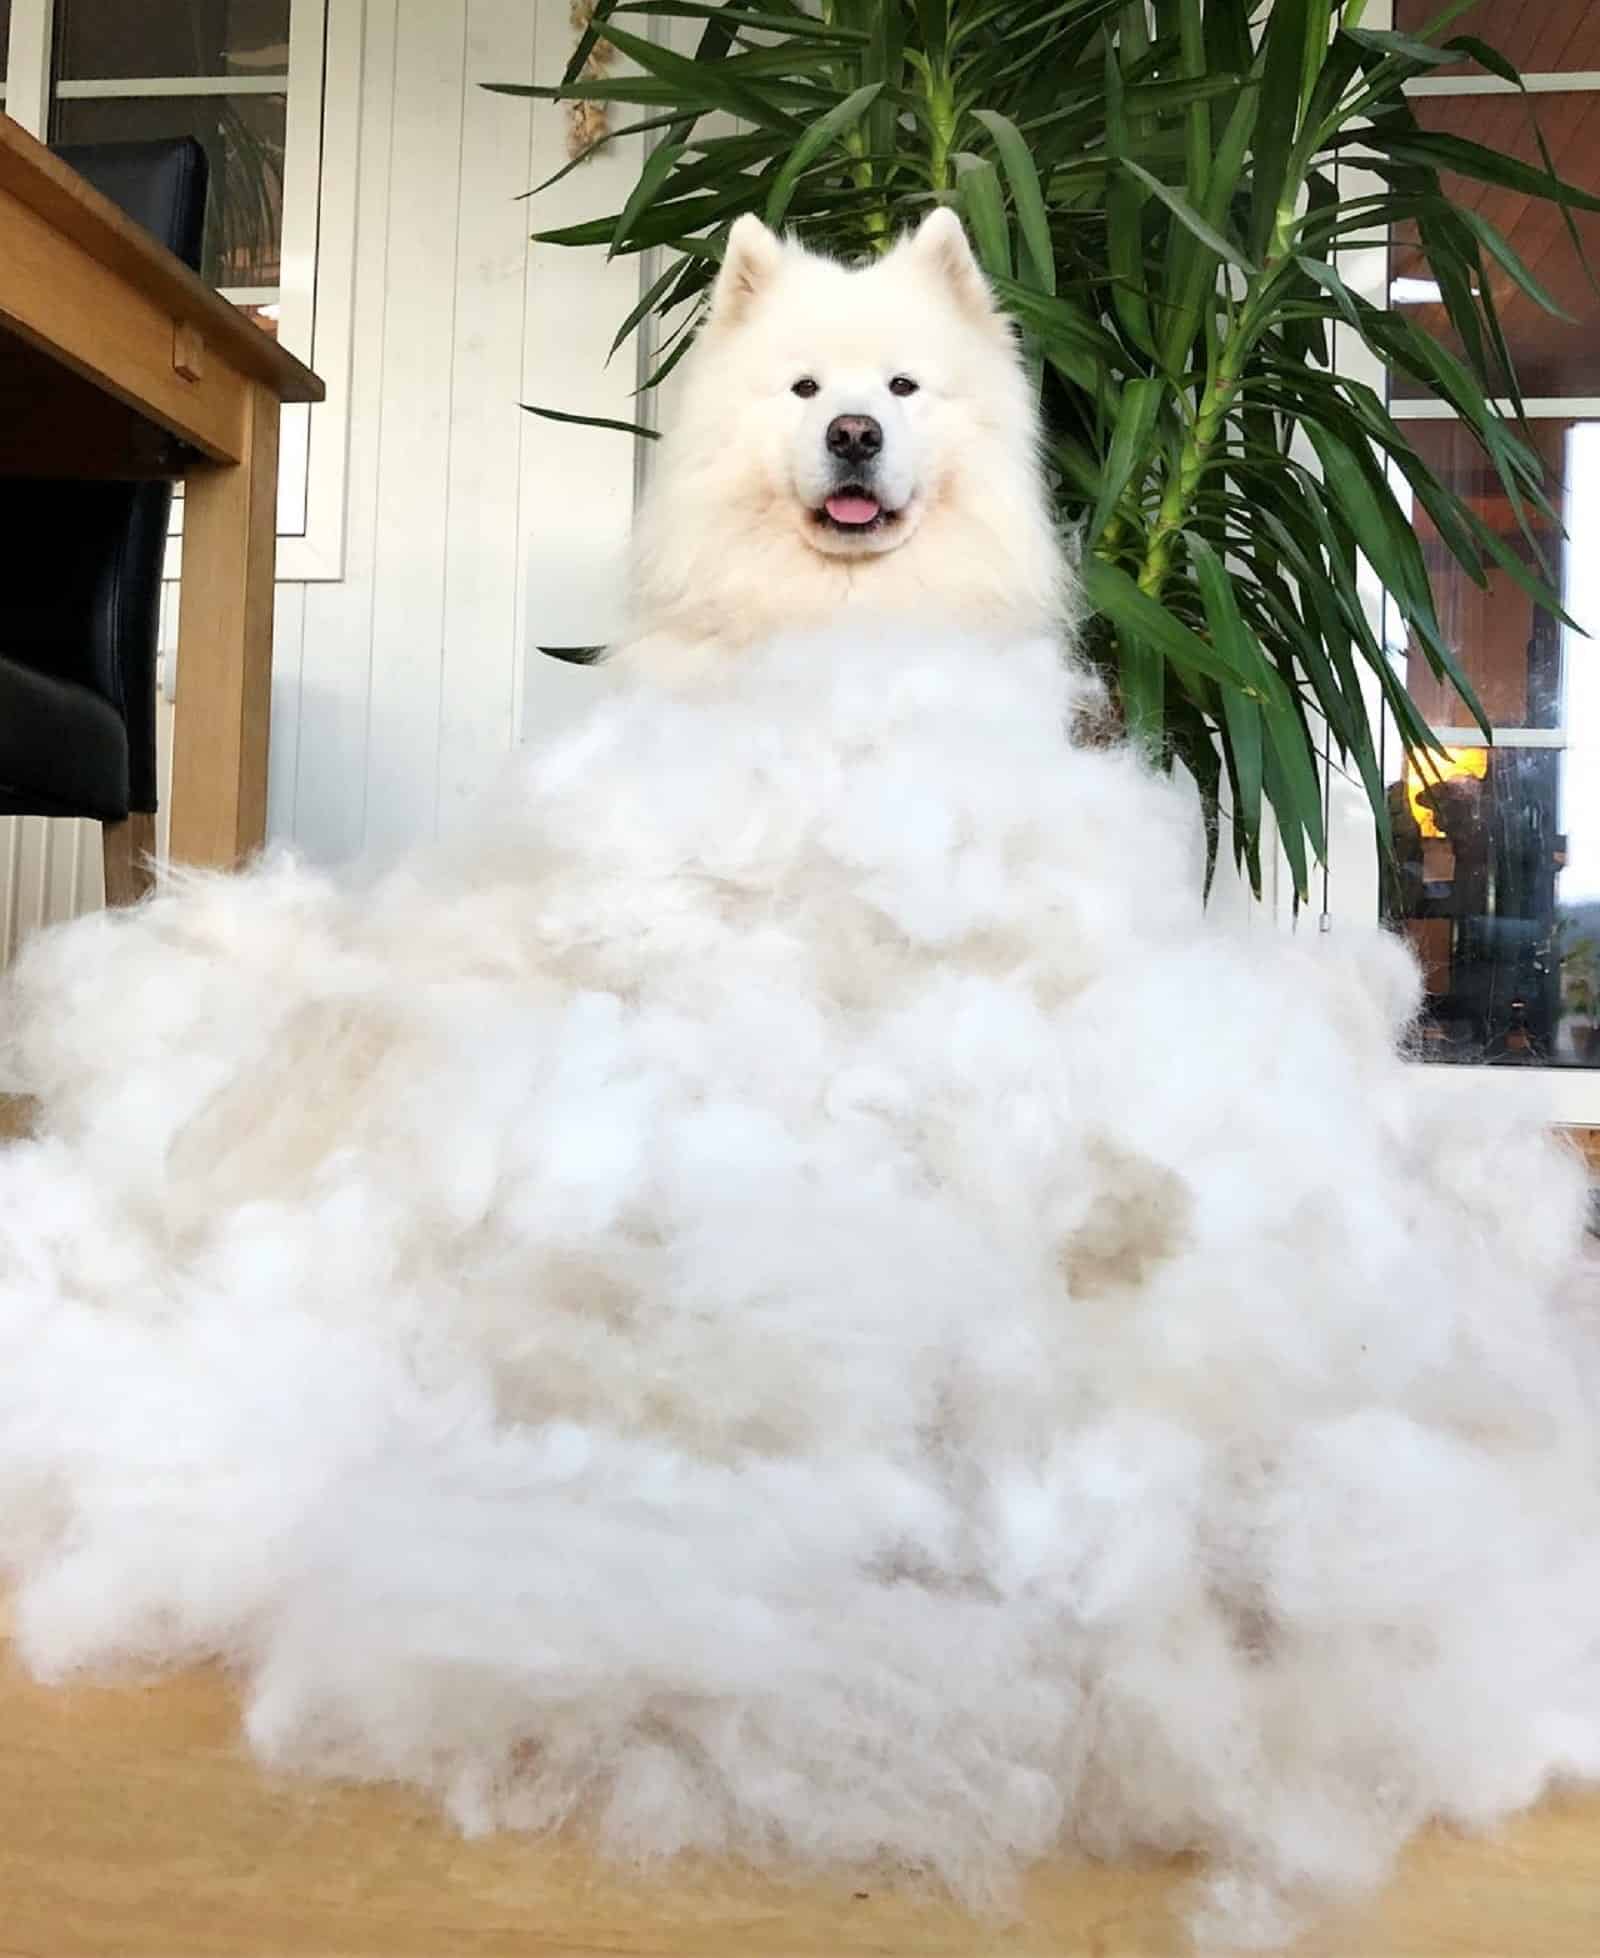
(854, 438)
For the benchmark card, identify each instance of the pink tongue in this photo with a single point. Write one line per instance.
(849, 506)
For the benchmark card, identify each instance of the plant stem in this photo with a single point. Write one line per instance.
(942, 125)
(877, 217)
(1221, 385)
(1183, 482)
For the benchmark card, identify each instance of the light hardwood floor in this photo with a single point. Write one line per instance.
(131, 1826)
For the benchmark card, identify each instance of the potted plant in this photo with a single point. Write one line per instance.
(1156, 194)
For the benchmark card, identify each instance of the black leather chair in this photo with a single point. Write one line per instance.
(81, 586)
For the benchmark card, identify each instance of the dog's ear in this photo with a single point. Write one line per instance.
(940, 244)
(752, 258)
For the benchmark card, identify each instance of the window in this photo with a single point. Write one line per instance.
(247, 78)
(1540, 37)
(1554, 357)
(1497, 878)
(217, 70)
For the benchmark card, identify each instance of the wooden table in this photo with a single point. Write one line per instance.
(117, 361)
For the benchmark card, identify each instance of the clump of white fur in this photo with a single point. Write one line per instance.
(791, 1296)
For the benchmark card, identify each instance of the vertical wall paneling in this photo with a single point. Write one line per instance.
(288, 648)
(476, 677)
(414, 424)
(167, 672)
(11, 895)
(577, 483)
(327, 802)
(403, 669)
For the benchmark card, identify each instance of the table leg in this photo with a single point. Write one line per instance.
(224, 696)
(126, 851)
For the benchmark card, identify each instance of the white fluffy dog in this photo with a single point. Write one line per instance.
(848, 440)
(790, 1296)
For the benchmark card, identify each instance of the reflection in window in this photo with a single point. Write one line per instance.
(217, 70)
(1509, 650)
(1551, 356)
(1496, 871)
(1477, 857)
(123, 39)
(1540, 37)
(243, 136)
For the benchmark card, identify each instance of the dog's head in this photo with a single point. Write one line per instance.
(854, 398)
(848, 435)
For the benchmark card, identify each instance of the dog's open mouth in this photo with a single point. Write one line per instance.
(854, 510)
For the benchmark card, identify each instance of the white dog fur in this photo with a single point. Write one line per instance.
(790, 1295)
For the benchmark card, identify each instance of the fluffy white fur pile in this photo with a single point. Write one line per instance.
(790, 1295)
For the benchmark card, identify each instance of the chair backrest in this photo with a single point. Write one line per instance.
(160, 185)
(82, 594)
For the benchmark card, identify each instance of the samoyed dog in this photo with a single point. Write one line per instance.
(848, 441)
(789, 1295)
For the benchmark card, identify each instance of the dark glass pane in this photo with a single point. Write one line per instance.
(1552, 356)
(1496, 879)
(243, 136)
(1509, 649)
(121, 39)
(1541, 37)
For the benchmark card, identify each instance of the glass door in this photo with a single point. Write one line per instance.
(1496, 878)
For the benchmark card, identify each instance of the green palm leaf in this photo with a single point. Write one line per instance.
(1155, 196)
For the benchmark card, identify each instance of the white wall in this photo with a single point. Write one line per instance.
(473, 531)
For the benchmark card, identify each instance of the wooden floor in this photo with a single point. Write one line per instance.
(133, 1826)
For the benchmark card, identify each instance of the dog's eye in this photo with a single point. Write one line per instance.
(805, 387)
(903, 384)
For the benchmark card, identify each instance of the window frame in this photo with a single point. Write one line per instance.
(1548, 1094)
